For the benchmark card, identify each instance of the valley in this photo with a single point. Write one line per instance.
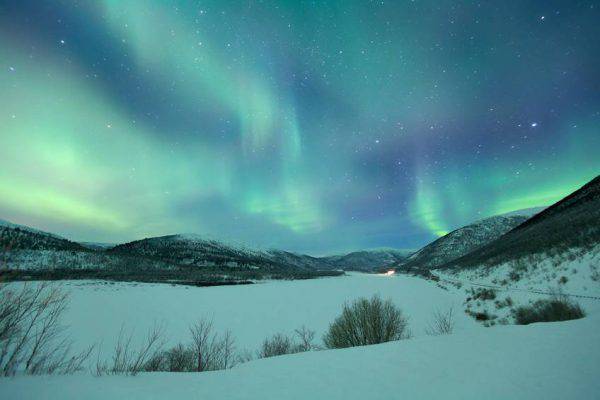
(550, 361)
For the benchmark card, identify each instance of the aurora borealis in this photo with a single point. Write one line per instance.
(304, 125)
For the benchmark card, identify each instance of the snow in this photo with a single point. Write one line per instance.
(251, 312)
(575, 273)
(540, 361)
(582, 274)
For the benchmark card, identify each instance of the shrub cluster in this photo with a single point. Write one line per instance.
(280, 344)
(367, 322)
(484, 294)
(558, 308)
(206, 351)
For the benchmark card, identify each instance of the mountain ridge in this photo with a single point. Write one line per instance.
(31, 249)
(572, 222)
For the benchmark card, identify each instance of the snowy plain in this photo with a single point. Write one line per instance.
(251, 312)
(539, 361)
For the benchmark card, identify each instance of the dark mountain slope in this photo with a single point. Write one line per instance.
(193, 251)
(18, 237)
(573, 222)
(367, 260)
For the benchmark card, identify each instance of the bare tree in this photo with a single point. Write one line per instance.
(212, 352)
(203, 340)
(32, 338)
(442, 323)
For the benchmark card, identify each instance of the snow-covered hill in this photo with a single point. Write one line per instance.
(570, 225)
(194, 251)
(14, 236)
(461, 241)
(368, 260)
(556, 251)
(27, 248)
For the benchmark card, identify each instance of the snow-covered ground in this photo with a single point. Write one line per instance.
(540, 361)
(251, 312)
(574, 273)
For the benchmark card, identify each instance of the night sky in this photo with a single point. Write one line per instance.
(304, 125)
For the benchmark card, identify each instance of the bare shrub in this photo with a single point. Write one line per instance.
(557, 308)
(129, 360)
(207, 351)
(484, 294)
(442, 323)
(179, 359)
(482, 316)
(157, 362)
(276, 345)
(306, 337)
(32, 338)
(280, 344)
(367, 321)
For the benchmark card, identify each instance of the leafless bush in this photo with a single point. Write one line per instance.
(367, 322)
(127, 359)
(306, 337)
(207, 351)
(276, 345)
(280, 344)
(442, 323)
(179, 359)
(32, 338)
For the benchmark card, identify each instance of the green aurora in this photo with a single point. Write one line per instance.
(307, 126)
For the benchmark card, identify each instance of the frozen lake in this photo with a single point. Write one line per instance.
(251, 312)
